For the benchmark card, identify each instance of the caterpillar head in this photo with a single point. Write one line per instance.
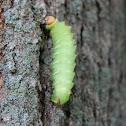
(49, 20)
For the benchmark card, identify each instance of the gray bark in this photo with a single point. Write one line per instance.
(98, 97)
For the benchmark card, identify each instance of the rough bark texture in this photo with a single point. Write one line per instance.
(98, 97)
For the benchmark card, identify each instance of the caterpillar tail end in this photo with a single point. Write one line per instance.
(58, 101)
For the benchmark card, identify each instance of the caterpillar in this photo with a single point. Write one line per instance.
(63, 59)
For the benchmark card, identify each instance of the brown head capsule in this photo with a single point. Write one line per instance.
(49, 20)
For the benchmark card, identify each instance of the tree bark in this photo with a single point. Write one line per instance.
(98, 97)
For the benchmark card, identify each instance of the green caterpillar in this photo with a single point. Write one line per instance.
(63, 57)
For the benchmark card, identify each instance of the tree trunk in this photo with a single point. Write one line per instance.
(98, 97)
